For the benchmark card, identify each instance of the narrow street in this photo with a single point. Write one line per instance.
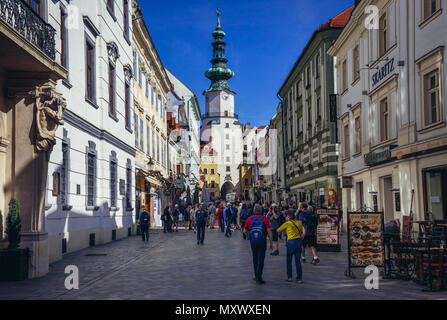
(172, 266)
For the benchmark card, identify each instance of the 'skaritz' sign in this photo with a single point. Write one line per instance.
(383, 72)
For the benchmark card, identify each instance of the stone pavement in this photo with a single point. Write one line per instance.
(173, 267)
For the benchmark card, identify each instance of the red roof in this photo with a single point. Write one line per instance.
(339, 21)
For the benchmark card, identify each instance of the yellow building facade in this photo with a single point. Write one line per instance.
(151, 86)
(209, 172)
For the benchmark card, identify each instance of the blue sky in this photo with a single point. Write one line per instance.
(264, 39)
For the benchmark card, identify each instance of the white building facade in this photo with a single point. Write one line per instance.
(391, 106)
(90, 197)
(185, 107)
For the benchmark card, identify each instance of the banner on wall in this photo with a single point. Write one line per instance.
(157, 213)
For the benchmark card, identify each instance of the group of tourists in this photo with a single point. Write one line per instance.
(270, 222)
(258, 222)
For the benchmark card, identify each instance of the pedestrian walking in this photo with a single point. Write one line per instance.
(275, 221)
(186, 216)
(144, 221)
(228, 217)
(212, 211)
(244, 217)
(193, 217)
(257, 228)
(167, 221)
(220, 217)
(309, 220)
(201, 220)
(295, 235)
(238, 218)
(175, 217)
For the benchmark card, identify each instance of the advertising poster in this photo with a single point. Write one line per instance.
(328, 230)
(365, 239)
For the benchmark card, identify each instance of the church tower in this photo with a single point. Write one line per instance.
(221, 128)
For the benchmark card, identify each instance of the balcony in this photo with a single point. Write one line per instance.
(23, 19)
(218, 114)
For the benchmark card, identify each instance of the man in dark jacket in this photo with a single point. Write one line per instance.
(144, 220)
(167, 218)
(202, 220)
(308, 218)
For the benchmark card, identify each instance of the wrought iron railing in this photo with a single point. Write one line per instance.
(22, 18)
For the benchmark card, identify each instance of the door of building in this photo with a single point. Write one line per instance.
(388, 199)
(435, 193)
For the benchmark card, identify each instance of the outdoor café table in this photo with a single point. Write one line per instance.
(419, 258)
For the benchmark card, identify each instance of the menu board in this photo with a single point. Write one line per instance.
(327, 228)
(365, 239)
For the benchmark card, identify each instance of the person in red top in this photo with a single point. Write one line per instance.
(257, 228)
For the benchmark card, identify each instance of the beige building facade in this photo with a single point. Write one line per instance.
(391, 106)
(151, 86)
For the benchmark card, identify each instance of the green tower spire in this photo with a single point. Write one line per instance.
(219, 74)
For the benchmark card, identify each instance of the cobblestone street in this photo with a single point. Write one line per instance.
(172, 266)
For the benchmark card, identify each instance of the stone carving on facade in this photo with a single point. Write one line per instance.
(112, 51)
(49, 107)
(128, 73)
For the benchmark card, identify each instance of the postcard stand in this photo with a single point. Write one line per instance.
(364, 223)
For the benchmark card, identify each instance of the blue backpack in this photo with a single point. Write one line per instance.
(228, 213)
(244, 214)
(257, 233)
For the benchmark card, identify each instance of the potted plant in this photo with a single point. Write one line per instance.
(13, 260)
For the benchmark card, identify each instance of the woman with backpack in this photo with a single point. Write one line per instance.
(295, 235)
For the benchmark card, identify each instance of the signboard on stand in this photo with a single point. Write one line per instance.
(365, 240)
(328, 239)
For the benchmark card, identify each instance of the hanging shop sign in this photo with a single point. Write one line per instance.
(365, 239)
(377, 156)
(328, 239)
(347, 182)
(384, 70)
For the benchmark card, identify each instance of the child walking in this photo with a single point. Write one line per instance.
(295, 235)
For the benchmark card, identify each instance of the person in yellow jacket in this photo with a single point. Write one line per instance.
(295, 235)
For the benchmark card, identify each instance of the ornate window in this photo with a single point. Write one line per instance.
(129, 185)
(431, 97)
(126, 19)
(385, 120)
(357, 135)
(356, 63)
(64, 39)
(90, 70)
(127, 104)
(112, 90)
(137, 139)
(383, 34)
(65, 171)
(91, 174)
(113, 179)
(346, 141)
(430, 7)
(344, 74)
